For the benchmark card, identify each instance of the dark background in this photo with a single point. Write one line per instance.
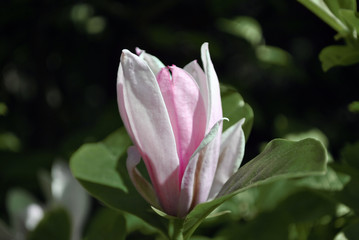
(59, 60)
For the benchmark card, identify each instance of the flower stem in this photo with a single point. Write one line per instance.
(175, 230)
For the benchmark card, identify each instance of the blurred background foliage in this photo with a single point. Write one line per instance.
(59, 60)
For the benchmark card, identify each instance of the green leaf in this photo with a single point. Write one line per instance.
(101, 169)
(281, 159)
(273, 55)
(320, 8)
(107, 225)
(335, 6)
(17, 200)
(351, 232)
(337, 55)
(350, 154)
(234, 108)
(351, 20)
(354, 107)
(56, 225)
(3, 109)
(243, 27)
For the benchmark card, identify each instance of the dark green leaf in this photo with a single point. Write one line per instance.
(56, 225)
(354, 107)
(280, 159)
(350, 154)
(107, 225)
(273, 55)
(101, 169)
(243, 27)
(351, 232)
(234, 108)
(337, 55)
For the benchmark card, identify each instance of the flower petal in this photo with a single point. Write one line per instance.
(186, 111)
(214, 111)
(197, 73)
(230, 157)
(199, 174)
(141, 184)
(149, 126)
(153, 62)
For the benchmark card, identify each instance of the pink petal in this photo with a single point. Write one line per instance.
(150, 127)
(231, 156)
(141, 184)
(197, 73)
(186, 111)
(199, 174)
(214, 111)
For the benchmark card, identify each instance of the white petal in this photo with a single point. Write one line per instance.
(150, 126)
(153, 62)
(214, 113)
(230, 157)
(199, 174)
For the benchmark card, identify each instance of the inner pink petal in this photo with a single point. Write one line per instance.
(186, 110)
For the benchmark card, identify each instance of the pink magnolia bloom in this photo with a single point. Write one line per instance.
(174, 118)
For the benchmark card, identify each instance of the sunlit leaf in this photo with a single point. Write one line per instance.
(335, 6)
(320, 8)
(351, 20)
(280, 159)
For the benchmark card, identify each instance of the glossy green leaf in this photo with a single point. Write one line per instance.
(101, 169)
(107, 225)
(246, 205)
(281, 159)
(337, 55)
(56, 225)
(320, 8)
(234, 108)
(335, 6)
(351, 20)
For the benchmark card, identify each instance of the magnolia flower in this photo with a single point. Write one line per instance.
(174, 118)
